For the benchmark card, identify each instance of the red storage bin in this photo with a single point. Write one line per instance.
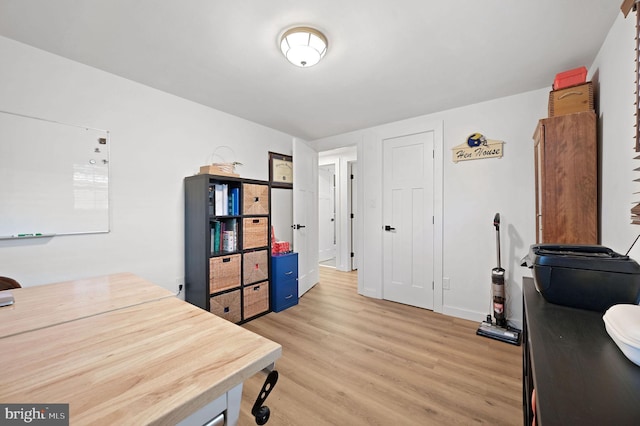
(570, 78)
(280, 247)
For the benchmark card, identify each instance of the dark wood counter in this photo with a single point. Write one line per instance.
(580, 375)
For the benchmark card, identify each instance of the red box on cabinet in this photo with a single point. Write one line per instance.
(570, 78)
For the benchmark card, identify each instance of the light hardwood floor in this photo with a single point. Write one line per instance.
(353, 360)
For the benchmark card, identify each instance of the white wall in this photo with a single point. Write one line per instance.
(156, 140)
(473, 192)
(282, 214)
(476, 190)
(613, 76)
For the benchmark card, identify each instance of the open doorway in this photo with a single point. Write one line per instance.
(337, 182)
(327, 215)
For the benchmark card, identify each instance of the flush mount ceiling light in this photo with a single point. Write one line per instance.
(303, 46)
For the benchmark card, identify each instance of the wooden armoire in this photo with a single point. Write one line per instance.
(566, 162)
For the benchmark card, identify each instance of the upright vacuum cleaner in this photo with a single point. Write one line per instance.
(499, 330)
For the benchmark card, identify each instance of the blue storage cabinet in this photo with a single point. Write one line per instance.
(284, 281)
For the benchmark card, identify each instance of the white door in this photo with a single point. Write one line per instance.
(327, 212)
(408, 215)
(305, 214)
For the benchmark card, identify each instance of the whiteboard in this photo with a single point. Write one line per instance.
(54, 178)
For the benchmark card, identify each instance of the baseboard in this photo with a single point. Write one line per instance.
(474, 316)
(464, 313)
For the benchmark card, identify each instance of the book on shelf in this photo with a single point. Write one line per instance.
(230, 236)
(215, 236)
(228, 241)
(224, 235)
(221, 199)
(227, 200)
(211, 199)
(234, 201)
(219, 208)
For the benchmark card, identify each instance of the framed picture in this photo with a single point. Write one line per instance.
(280, 170)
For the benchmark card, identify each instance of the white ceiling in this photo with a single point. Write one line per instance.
(387, 60)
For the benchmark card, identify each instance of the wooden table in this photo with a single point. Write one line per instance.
(51, 304)
(579, 374)
(137, 356)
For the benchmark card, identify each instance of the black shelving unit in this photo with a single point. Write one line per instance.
(245, 296)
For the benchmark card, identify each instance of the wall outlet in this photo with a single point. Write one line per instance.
(180, 286)
(446, 283)
(180, 282)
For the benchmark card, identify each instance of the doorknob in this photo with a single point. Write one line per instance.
(298, 226)
(389, 228)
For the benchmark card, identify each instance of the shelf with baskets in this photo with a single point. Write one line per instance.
(227, 246)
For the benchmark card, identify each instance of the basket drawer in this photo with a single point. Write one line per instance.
(224, 272)
(255, 299)
(570, 100)
(227, 306)
(255, 232)
(255, 266)
(255, 199)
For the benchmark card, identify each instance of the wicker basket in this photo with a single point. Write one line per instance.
(255, 299)
(255, 199)
(227, 306)
(255, 266)
(224, 273)
(255, 232)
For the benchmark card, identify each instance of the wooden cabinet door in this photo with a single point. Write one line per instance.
(567, 179)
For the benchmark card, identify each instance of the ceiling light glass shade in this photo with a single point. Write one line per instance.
(303, 46)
